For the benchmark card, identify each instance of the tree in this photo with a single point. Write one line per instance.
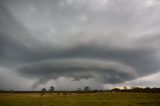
(116, 90)
(147, 89)
(137, 89)
(43, 91)
(86, 88)
(125, 88)
(51, 90)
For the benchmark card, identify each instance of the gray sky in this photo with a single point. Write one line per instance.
(70, 44)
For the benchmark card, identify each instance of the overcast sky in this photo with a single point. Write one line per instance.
(71, 44)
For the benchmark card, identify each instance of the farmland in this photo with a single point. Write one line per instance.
(75, 99)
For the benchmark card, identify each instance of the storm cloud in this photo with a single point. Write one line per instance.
(109, 72)
(107, 42)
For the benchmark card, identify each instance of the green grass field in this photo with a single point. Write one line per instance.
(101, 99)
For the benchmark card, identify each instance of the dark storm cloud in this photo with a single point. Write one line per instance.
(108, 41)
(78, 69)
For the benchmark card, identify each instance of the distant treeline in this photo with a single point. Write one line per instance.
(133, 89)
(137, 89)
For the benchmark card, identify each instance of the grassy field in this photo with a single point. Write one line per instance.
(101, 99)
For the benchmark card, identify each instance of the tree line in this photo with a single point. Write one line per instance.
(87, 89)
(137, 89)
